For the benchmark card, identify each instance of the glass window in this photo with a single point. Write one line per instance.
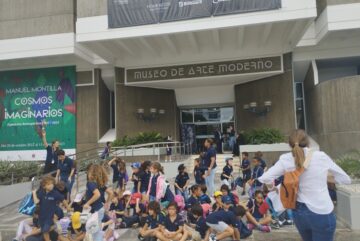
(206, 130)
(227, 114)
(187, 116)
(207, 115)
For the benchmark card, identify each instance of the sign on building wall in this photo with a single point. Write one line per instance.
(233, 67)
(31, 100)
(125, 13)
(221, 7)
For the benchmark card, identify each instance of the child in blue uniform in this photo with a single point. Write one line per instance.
(172, 227)
(182, 181)
(255, 218)
(201, 231)
(226, 175)
(66, 170)
(257, 172)
(47, 198)
(153, 221)
(144, 176)
(204, 198)
(199, 172)
(115, 166)
(246, 170)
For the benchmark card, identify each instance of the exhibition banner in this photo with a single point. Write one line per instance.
(32, 101)
(222, 7)
(185, 9)
(125, 13)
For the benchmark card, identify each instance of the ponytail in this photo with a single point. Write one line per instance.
(297, 141)
(157, 166)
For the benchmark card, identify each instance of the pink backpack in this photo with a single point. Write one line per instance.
(180, 202)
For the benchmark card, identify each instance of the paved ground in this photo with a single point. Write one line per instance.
(9, 219)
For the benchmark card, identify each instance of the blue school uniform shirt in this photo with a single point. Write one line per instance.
(173, 226)
(48, 205)
(154, 222)
(256, 173)
(90, 188)
(201, 227)
(263, 163)
(153, 185)
(192, 201)
(144, 179)
(211, 152)
(181, 179)
(227, 170)
(222, 216)
(205, 199)
(198, 174)
(115, 172)
(254, 209)
(245, 164)
(122, 179)
(51, 157)
(65, 168)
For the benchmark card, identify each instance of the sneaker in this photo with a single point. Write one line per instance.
(212, 237)
(289, 222)
(264, 228)
(141, 238)
(275, 224)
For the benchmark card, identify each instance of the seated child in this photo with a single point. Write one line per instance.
(76, 230)
(193, 199)
(225, 224)
(77, 204)
(226, 174)
(182, 181)
(172, 228)
(117, 206)
(201, 231)
(255, 218)
(204, 198)
(61, 188)
(28, 227)
(226, 192)
(218, 205)
(154, 219)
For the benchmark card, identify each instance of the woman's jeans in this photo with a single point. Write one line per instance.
(184, 194)
(312, 226)
(210, 181)
(98, 236)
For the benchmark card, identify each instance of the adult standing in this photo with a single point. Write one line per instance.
(210, 164)
(66, 170)
(51, 161)
(313, 216)
(218, 140)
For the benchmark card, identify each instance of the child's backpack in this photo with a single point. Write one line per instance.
(290, 185)
(206, 209)
(27, 205)
(236, 197)
(179, 199)
(244, 230)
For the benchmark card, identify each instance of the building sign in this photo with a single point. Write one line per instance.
(31, 100)
(125, 13)
(222, 7)
(234, 67)
(185, 9)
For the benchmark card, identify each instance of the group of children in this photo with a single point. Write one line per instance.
(161, 214)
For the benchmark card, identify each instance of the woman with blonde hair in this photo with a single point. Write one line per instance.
(313, 215)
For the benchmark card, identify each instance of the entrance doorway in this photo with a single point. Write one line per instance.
(208, 121)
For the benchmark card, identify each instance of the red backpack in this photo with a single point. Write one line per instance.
(290, 185)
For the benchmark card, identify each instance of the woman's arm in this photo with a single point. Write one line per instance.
(339, 174)
(274, 172)
(43, 134)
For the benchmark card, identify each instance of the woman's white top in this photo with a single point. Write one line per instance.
(313, 189)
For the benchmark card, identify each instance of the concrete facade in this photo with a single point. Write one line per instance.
(92, 111)
(279, 90)
(89, 8)
(129, 99)
(332, 116)
(22, 18)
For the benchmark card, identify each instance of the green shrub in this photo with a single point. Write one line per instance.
(141, 138)
(263, 136)
(18, 171)
(350, 163)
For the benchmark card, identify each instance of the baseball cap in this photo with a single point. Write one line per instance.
(78, 197)
(75, 220)
(217, 193)
(136, 165)
(126, 193)
(226, 199)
